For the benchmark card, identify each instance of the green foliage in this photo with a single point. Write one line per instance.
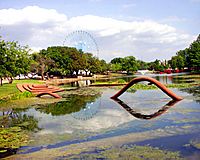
(121, 81)
(156, 66)
(10, 91)
(16, 96)
(142, 65)
(14, 59)
(25, 94)
(41, 63)
(12, 138)
(128, 64)
(67, 60)
(189, 57)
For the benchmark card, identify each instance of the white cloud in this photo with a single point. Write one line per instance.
(145, 39)
(32, 14)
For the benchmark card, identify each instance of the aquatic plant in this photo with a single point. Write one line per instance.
(195, 142)
(12, 138)
(128, 152)
(16, 96)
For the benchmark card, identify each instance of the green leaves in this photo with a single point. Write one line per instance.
(12, 137)
(189, 57)
(128, 64)
(14, 59)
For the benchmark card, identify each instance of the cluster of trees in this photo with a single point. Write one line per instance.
(130, 64)
(189, 57)
(64, 61)
(59, 60)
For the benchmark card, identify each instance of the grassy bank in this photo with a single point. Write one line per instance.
(8, 89)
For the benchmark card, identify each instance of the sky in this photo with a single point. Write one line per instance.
(145, 29)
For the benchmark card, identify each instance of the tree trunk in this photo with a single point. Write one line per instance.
(43, 76)
(47, 74)
(10, 80)
(86, 73)
(42, 70)
(77, 73)
(1, 81)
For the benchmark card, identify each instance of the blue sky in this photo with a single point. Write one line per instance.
(146, 29)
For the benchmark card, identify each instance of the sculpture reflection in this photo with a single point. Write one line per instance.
(143, 116)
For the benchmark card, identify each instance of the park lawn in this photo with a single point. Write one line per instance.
(8, 89)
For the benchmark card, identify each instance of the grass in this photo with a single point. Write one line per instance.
(10, 91)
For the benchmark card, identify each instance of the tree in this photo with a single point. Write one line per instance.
(2, 59)
(189, 57)
(194, 54)
(142, 65)
(129, 64)
(41, 63)
(61, 59)
(14, 60)
(78, 60)
(116, 67)
(156, 66)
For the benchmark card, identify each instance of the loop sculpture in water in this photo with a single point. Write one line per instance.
(144, 116)
(152, 81)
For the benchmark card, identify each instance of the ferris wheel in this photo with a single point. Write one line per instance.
(82, 40)
(88, 112)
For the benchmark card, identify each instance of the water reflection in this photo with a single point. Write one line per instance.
(195, 91)
(143, 116)
(88, 111)
(73, 103)
(17, 117)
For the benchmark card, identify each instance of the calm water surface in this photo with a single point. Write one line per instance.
(168, 125)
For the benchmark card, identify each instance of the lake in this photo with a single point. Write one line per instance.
(84, 126)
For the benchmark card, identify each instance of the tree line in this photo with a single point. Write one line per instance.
(189, 57)
(67, 61)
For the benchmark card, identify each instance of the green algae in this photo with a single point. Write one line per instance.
(195, 142)
(186, 120)
(128, 152)
(85, 91)
(13, 137)
(27, 102)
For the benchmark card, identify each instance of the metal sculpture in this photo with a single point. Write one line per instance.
(152, 81)
(143, 116)
(40, 90)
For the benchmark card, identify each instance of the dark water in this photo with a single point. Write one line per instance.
(167, 125)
